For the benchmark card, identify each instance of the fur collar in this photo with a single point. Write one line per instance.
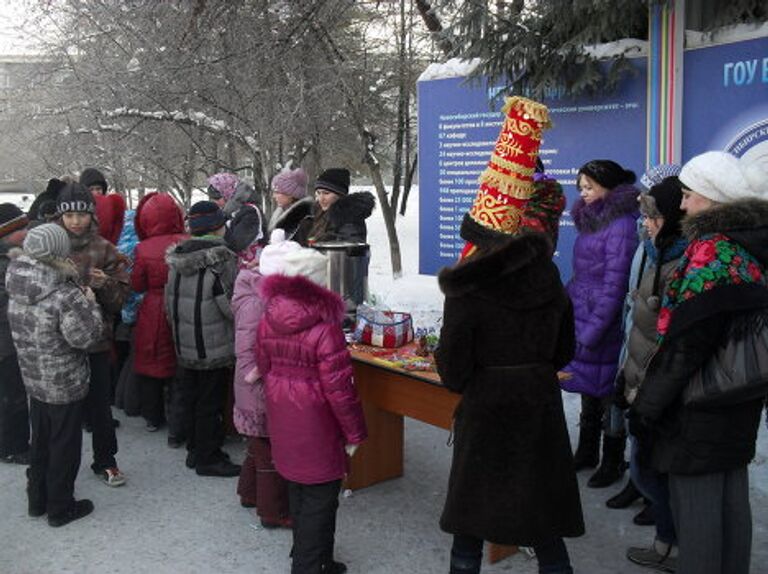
(290, 218)
(518, 273)
(620, 201)
(351, 208)
(296, 303)
(198, 253)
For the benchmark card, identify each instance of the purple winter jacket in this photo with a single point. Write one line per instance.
(312, 405)
(250, 411)
(602, 256)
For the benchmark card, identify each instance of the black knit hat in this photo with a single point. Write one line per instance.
(11, 219)
(204, 217)
(75, 197)
(92, 176)
(335, 179)
(607, 173)
(663, 200)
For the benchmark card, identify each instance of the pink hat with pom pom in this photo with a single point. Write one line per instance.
(291, 182)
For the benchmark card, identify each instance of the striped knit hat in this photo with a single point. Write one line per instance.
(11, 219)
(204, 217)
(46, 242)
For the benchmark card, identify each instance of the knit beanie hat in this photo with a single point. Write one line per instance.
(663, 200)
(755, 171)
(222, 185)
(271, 259)
(715, 175)
(46, 242)
(506, 185)
(75, 197)
(204, 217)
(92, 176)
(11, 219)
(658, 173)
(607, 173)
(335, 179)
(291, 182)
(307, 262)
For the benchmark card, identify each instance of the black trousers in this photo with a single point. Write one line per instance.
(201, 408)
(313, 509)
(14, 413)
(57, 439)
(98, 412)
(152, 393)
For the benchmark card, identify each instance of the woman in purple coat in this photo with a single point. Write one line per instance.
(606, 220)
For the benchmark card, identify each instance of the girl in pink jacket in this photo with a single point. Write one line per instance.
(313, 410)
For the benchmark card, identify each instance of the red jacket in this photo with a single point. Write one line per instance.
(312, 405)
(159, 224)
(110, 210)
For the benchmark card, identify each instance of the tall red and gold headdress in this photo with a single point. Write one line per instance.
(507, 182)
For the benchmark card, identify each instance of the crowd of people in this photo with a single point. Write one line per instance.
(219, 321)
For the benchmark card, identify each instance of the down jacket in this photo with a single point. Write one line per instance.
(602, 256)
(250, 411)
(159, 225)
(52, 323)
(507, 329)
(201, 276)
(312, 405)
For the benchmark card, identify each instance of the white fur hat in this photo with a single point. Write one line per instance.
(716, 175)
(273, 255)
(309, 263)
(756, 173)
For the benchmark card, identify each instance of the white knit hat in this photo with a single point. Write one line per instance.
(715, 175)
(46, 242)
(272, 257)
(755, 171)
(309, 263)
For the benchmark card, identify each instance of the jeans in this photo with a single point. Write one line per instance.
(654, 486)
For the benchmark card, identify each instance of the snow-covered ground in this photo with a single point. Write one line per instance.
(168, 520)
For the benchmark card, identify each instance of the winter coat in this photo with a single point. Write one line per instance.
(507, 329)
(646, 302)
(7, 253)
(90, 251)
(127, 246)
(201, 277)
(159, 225)
(343, 221)
(52, 323)
(312, 405)
(110, 209)
(288, 219)
(602, 255)
(718, 289)
(250, 411)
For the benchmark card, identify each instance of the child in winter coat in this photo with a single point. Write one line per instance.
(159, 225)
(289, 190)
(105, 270)
(260, 484)
(201, 276)
(14, 413)
(53, 322)
(605, 218)
(313, 410)
(110, 207)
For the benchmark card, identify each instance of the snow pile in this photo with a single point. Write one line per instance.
(453, 68)
(725, 35)
(625, 47)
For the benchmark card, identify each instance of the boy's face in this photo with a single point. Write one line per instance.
(76, 222)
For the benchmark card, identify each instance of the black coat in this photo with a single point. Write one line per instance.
(692, 440)
(507, 329)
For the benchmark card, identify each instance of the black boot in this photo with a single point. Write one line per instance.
(613, 465)
(646, 516)
(587, 452)
(464, 565)
(626, 497)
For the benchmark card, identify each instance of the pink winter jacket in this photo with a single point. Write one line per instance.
(250, 411)
(312, 404)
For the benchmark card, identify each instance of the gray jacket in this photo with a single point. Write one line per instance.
(52, 323)
(201, 278)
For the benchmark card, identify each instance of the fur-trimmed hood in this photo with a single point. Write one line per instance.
(29, 281)
(519, 273)
(296, 304)
(290, 217)
(199, 253)
(351, 208)
(745, 221)
(620, 201)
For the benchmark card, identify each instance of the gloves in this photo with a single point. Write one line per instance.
(350, 448)
(252, 376)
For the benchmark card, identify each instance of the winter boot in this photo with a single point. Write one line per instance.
(465, 563)
(613, 465)
(626, 497)
(660, 556)
(646, 517)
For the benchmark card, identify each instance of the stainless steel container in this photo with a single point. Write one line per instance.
(347, 271)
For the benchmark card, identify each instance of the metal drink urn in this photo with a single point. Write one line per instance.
(347, 273)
